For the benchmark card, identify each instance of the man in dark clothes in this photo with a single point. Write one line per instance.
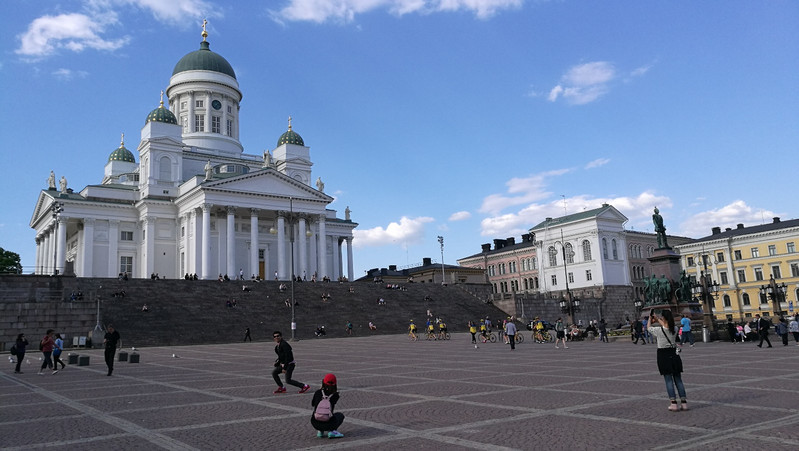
(285, 363)
(111, 342)
(247, 334)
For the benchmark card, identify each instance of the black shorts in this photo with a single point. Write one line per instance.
(561, 334)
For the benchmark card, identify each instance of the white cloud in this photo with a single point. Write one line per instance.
(737, 212)
(636, 208)
(584, 83)
(69, 74)
(460, 216)
(407, 231)
(639, 71)
(521, 191)
(345, 10)
(177, 11)
(74, 32)
(597, 163)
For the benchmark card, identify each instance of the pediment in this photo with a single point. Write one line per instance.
(42, 205)
(266, 182)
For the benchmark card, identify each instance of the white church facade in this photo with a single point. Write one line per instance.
(195, 203)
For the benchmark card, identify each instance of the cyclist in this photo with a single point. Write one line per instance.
(412, 330)
(483, 330)
(539, 330)
(431, 330)
(442, 330)
(473, 331)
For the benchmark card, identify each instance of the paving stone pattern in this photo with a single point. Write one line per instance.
(398, 394)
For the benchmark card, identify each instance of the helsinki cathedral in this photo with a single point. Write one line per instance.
(194, 202)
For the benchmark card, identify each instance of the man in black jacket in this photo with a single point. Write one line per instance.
(762, 330)
(285, 364)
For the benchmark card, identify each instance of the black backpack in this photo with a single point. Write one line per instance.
(13, 350)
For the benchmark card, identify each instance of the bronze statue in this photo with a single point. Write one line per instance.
(660, 230)
(684, 288)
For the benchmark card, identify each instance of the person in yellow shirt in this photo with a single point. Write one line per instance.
(473, 331)
(412, 330)
(483, 329)
(442, 330)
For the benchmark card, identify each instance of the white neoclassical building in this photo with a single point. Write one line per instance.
(195, 203)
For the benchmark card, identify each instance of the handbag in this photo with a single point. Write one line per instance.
(676, 360)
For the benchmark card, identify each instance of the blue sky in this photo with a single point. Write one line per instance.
(469, 119)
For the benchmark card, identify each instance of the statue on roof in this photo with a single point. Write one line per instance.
(660, 230)
(267, 159)
(63, 183)
(320, 185)
(209, 171)
(51, 181)
(347, 212)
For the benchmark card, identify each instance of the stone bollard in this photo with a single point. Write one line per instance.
(72, 359)
(134, 358)
(83, 360)
(123, 356)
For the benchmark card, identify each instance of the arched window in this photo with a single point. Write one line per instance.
(535, 279)
(586, 250)
(745, 299)
(525, 284)
(535, 263)
(727, 302)
(605, 248)
(615, 251)
(569, 253)
(553, 256)
(164, 168)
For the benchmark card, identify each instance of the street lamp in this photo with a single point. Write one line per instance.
(706, 290)
(776, 293)
(441, 242)
(56, 209)
(292, 219)
(639, 305)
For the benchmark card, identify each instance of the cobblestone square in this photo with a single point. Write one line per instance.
(397, 394)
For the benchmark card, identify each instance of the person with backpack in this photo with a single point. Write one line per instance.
(18, 350)
(762, 326)
(560, 333)
(57, 350)
(669, 363)
(324, 402)
(46, 346)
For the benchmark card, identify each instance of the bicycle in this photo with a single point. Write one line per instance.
(492, 337)
(543, 337)
(443, 335)
(519, 338)
(413, 336)
(430, 336)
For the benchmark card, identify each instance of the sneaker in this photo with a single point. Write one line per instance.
(41, 374)
(55, 372)
(334, 434)
(320, 434)
(556, 347)
(565, 347)
(684, 405)
(280, 390)
(673, 407)
(692, 346)
(304, 388)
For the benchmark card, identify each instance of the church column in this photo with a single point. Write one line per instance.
(336, 273)
(190, 125)
(231, 241)
(37, 269)
(281, 247)
(208, 110)
(223, 128)
(322, 251)
(205, 250)
(87, 250)
(149, 243)
(113, 249)
(303, 271)
(61, 243)
(313, 259)
(254, 241)
(350, 275)
(47, 254)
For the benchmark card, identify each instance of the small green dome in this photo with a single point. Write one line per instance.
(204, 59)
(161, 114)
(290, 137)
(121, 154)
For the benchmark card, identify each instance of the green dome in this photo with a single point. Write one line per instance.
(290, 137)
(122, 154)
(161, 114)
(204, 59)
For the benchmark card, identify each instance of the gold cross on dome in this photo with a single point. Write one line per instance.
(289, 122)
(205, 33)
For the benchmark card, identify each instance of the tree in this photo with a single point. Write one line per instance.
(9, 262)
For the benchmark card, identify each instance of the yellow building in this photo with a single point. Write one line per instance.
(743, 261)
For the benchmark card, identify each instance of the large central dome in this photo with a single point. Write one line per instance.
(204, 59)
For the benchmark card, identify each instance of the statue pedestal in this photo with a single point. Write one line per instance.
(665, 262)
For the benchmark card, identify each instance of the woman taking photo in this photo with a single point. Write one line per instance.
(669, 362)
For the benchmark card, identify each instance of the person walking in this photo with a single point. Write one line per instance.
(247, 334)
(57, 350)
(668, 361)
(603, 331)
(473, 331)
(510, 331)
(687, 335)
(21, 344)
(762, 326)
(560, 333)
(285, 364)
(782, 330)
(47, 344)
(793, 328)
(638, 329)
(111, 341)
(324, 418)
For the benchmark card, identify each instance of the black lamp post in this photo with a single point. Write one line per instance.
(56, 209)
(639, 305)
(441, 242)
(776, 293)
(568, 305)
(706, 290)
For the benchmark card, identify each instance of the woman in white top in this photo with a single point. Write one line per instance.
(669, 363)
